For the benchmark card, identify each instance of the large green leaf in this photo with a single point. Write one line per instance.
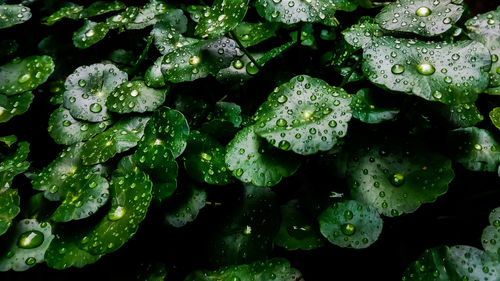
(11, 106)
(26, 74)
(485, 28)
(185, 205)
(223, 16)
(491, 235)
(476, 149)
(135, 96)
(450, 73)
(89, 34)
(65, 129)
(297, 230)
(350, 224)
(88, 88)
(276, 269)
(422, 17)
(13, 14)
(396, 176)
(27, 243)
(295, 11)
(305, 115)
(204, 160)
(124, 135)
(252, 161)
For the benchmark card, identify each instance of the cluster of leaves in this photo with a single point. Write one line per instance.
(126, 122)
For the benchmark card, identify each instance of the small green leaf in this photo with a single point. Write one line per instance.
(495, 117)
(297, 230)
(27, 243)
(252, 161)
(13, 164)
(350, 224)
(130, 199)
(65, 252)
(89, 34)
(276, 269)
(8, 140)
(100, 8)
(88, 88)
(65, 129)
(168, 38)
(11, 15)
(83, 196)
(123, 19)
(71, 12)
(371, 107)
(185, 205)
(422, 17)
(460, 115)
(450, 73)
(485, 28)
(305, 115)
(169, 127)
(396, 176)
(476, 149)
(11, 106)
(124, 135)
(251, 34)
(294, 11)
(26, 74)
(9, 207)
(204, 160)
(223, 16)
(491, 235)
(361, 34)
(135, 96)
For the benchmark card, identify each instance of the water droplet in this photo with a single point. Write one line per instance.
(281, 122)
(95, 107)
(24, 78)
(425, 68)
(134, 93)
(477, 146)
(282, 99)
(30, 261)
(423, 11)
(348, 215)
(348, 229)
(30, 239)
(206, 156)
(252, 69)
(194, 60)
(397, 179)
(397, 69)
(117, 213)
(285, 145)
(238, 64)
(437, 95)
(455, 56)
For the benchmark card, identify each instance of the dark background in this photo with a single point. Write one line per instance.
(456, 218)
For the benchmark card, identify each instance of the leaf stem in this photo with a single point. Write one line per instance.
(252, 59)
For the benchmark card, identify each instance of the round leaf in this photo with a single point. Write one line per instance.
(13, 14)
(251, 34)
(223, 16)
(9, 207)
(491, 235)
(26, 74)
(361, 35)
(295, 11)
(495, 117)
(11, 106)
(65, 252)
(168, 38)
(89, 34)
(71, 12)
(135, 96)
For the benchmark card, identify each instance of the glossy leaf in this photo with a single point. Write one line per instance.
(363, 33)
(89, 34)
(185, 206)
(11, 106)
(491, 235)
(305, 115)
(135, 96)
(168, 38)
(495, 117)
(371, 107)
(294, 11)
(98, 8)
(223, 16)
(148, 15)
(11, 15)
(65, 252)
(153, 76)
(21, 75)
(123, 19)
(13, 163)
(71, 12)
(251, 34)
(9, 207)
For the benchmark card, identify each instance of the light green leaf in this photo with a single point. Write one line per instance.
(294, 11)
(27, 243)
(450, 73)
(350, 224)
(9, 207)
(396, 176)
(252, 161)
(476, 149)
(371, 107)
(124, 135)
(135, 96)
(251, 34)
(89, 34)
(11, 15)
(491, 235)
(204, 160)
(88, 88)
(305, 115)
(185, 205)
(11, 106)
(297, 230)
(495, 117)
(26, 74)
(65, 129)
(423, 17)
(276, 269)
(223, 16)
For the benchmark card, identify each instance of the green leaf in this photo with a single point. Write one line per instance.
(297, 230)
(153, 76)
(224, 120)
(65, 129)
(372, 107)
(223, 16)
(423, 17)
(135, 96)
(363, 33)
(485, 28)
(185, 205)
(71, 12)
(65, 252)
(269, 55)
(169, 127)
(124, 135)
(27, 243)
(396, 176)
(476, 149)
(305, 115)
(123, 19)
(251, 34)
(168, 38)
(11, 15)
(450, 73)
(252, 161)
(83, 196)
(294, 11)
(350, 224)
(149, 15)
(130, 199)
(495, 117)
(204, 160)
(13, 164)
(88, 88)
(198, 60)
(9, 207)
(100, 8)
(277, 269)
(460, 115)
(11, 106)
(89, 34)
(491, 235)
(26, 74)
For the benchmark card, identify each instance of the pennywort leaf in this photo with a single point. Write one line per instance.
(11, 106)
(223, 16)
(135, 96)
(21, 75)
(11, 15)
